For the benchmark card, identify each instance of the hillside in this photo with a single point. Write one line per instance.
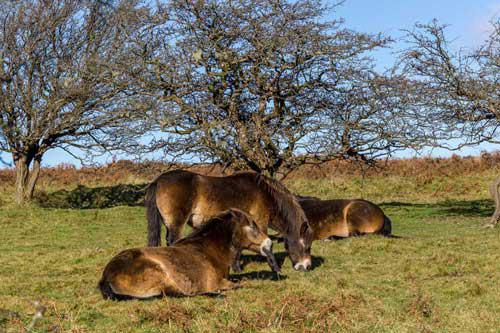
(441, 276)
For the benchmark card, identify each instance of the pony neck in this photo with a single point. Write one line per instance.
(217, 242)
(315, 228)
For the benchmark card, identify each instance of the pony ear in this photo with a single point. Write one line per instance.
(303, 228)
(254, 225)
(226, 215)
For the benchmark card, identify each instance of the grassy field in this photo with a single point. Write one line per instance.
(443, 275)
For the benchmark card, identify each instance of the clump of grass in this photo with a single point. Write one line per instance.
(421, 305)
(165, 313)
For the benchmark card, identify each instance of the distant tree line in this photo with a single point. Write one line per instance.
(262, 85)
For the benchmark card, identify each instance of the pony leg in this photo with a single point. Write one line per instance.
(174, 231)
(333, 238)
(225, 285)
(173, 227)
(172, 236)
(228, 285)
(236, 266)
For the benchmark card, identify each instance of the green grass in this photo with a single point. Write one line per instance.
(442, 276)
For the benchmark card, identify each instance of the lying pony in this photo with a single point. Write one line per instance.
(197, 264)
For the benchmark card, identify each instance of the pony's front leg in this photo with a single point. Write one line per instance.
(236, 266)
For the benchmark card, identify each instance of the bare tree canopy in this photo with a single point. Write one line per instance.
(460, 91)
(258, 84)
(59, 83)
(265, 85)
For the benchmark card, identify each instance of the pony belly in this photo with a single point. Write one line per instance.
(339, 229)
(200, 214)
(202, 210)
(328, 229)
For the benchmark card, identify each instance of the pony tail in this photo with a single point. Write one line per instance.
(387, 227)
(106, 291)
(153, 215)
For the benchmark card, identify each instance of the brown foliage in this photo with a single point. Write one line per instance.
(421, 167)
(124, 171)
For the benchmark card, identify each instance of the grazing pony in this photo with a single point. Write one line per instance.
(344, 218)
(194, 265)
(178, 197)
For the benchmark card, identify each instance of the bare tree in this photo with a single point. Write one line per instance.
(259, 84)
(458, 91)
(459, 88)
(369, 116)
(60, 84)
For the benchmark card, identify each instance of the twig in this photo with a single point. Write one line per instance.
(39, 311)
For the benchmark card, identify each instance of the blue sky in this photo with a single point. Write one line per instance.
(468, 19)
(469, 26)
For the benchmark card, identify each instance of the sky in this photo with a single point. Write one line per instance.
(469, 27)
(468, 20)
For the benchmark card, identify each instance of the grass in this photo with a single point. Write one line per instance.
(442, 276)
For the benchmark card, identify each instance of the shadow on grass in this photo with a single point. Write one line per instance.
(280, 258)
(84, 197)
(472, 208)
(258, 275)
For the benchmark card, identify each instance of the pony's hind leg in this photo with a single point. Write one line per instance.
(174, 233)
(174, 226)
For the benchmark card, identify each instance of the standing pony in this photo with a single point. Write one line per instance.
(178, 197)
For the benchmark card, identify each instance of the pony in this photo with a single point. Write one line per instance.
(330, 219)
(178, 197)
(195, 265)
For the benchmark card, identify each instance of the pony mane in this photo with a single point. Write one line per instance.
(221, 222)
(287, 207)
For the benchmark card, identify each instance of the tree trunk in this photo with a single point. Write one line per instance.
(33, 177)
(22, 174)
(25, 178)
(495, 194)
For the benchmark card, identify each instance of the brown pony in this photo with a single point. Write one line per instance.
(179, 196)
(344, 218)
(194, 265)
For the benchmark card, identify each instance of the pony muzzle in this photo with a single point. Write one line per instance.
(266, 246)
(304, 265)
(266, 249)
